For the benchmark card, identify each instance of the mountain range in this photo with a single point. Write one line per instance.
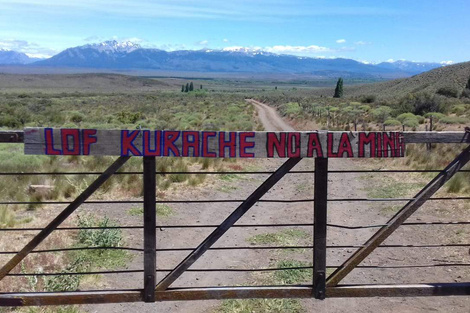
(8, 57)
(114, 55)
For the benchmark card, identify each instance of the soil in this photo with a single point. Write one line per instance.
(295, 187)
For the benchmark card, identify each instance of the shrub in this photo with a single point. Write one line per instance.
(436, 116)
(98, 237)
(382, 113)
(368, 99)
(448, 92)
(76, 117)
(454, 120)
(392, 122)
(405, 116)
(413, 123)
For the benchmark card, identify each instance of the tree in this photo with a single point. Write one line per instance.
(339, 89)
(201, 87)
(182, 88)
(191, 87)
(186, 89)
(468, 84)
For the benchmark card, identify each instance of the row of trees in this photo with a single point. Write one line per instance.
(188, 87)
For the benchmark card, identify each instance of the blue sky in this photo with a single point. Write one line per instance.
(372, 31)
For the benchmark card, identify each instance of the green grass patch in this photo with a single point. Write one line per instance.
(261, 306)
(229, 177)
(293, 276)
(392, 189)
(226, 188)
(163, 210)
(136, 211)
(391, 208)
(285, 237)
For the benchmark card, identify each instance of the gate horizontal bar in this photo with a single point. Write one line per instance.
(177, 294)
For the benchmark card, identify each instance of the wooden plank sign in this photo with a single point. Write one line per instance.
(214, 144)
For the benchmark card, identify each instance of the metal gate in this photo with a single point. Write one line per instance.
(322, 285)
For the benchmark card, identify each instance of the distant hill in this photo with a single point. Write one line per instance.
(449, 76)
(114, 55)
(409, 66)
(9, 57)
(83, 83)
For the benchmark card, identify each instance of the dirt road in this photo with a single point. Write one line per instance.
(269, 118)
(290, 187)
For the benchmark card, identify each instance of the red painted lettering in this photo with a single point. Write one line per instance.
(345, 146)
(190, 144)
(244, 144)
(293, 145)
(74, 135)
(147, 146)
(330, 139)
(231, 144)
(314, 144)
(205, 145)
(127, 142)
(389, 145)
(88, 137)
(367, 139)
(279, 144)
(169, 139)
(49, 137)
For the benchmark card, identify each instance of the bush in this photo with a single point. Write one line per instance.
(76, 117)
(413, 123)
(448, 92)
(392, 122)
(436, 116)
(454, 120)
(98, 237)
(382, 113)
(406, 116)
(368, 99)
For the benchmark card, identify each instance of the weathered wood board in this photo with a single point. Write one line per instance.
(214, 144)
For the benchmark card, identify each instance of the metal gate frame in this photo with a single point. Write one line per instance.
(321, 287)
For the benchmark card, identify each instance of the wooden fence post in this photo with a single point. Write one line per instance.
(319, 230)
(150, 222)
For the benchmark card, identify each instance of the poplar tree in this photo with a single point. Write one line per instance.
(339, 89)
(182, 88)
(191, 87)
(186, 89)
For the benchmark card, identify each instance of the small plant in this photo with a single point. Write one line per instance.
(292, 276)
(98, 237)
(65, 282)
(7, 217)
(163, 210)
(285, 237)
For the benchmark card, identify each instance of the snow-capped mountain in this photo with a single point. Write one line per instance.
(409, 66)
(113, 46)
(127, 55)
(15, 58)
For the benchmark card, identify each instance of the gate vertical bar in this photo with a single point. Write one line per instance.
(150, 222)
(319, 231)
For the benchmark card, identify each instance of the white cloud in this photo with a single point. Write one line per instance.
(362, 43)
(30, 48)
(447, 62)
(225, 40)
(202, 42)
(341, 41)
(297, 49)
(308, 51)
